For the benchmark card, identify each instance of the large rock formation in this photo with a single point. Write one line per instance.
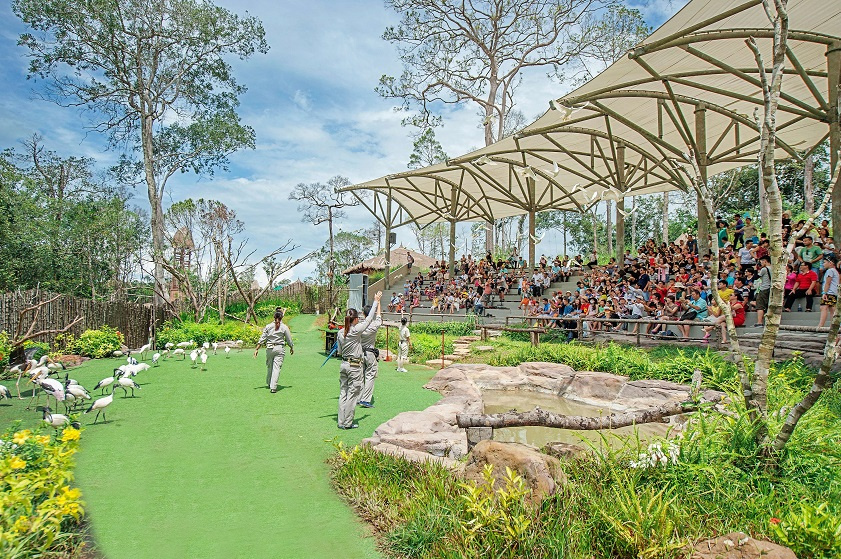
(740, 546)
(432, 434)
(540, 472)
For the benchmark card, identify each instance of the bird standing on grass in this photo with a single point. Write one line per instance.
(193, 356)
(100, 405)
(203, 361)
(58, 420)
(227, 352)
(5, 393)
(215, 347)
(155, 358)
(128, 383)
(107, 381)
(179, 351)
(142, 351)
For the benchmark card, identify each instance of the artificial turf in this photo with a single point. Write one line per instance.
(210, 464)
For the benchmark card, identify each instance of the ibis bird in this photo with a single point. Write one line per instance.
(100, 404)
(51, 387)
(5, 393)
(143, 349)
(215, 347)
(169, 345)
(205, 346)
(128, 383)
(227, 351)
(165, 353)
(131, 360)
(155, 358)
(193, 356)
(76, 391)
(132, 370)
(239, 343)
(107, 381)
(191, 343)
(203, 361)
(179, 351)
(58, 420)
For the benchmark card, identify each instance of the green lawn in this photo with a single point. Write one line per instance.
(210, 464)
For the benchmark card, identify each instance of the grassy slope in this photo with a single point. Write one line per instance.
(210, 464)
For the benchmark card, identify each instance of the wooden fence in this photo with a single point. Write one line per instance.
(135, 321)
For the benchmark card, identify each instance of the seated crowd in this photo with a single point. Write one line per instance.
(666, 282)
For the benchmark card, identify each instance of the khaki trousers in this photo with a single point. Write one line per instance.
(371, 366)
(350, 386)
(274, 361)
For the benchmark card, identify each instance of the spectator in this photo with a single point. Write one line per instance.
(829, 296)
(763, 289)
(806, 285)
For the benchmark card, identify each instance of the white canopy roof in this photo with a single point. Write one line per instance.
(692, 83)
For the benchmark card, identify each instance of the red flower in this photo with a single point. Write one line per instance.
(774, 520)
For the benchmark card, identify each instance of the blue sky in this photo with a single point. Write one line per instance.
(312, 103)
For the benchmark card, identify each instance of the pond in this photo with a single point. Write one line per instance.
(498, 401)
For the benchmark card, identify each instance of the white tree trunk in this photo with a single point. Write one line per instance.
(665, 217)
(808, 186)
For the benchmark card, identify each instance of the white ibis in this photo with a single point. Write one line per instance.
(128, 383)
(51, 387)
(132, 370)
(131, 360)
(155, 358)
(143, 349)
(239, 343)
(107, 381)
(203, 361)
(77, 391)
(55, 366)
(185, 345)
(100, 405)
(205, 346)
(58, 420)
(227, 351)
(165, 353)
(179, 351)
(193, 356)
(169, 345)
(215, 347)
(5, 393)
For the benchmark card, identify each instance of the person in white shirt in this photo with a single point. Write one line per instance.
(829, 297)
(403, 346)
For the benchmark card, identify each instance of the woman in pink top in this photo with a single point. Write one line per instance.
(791, 279)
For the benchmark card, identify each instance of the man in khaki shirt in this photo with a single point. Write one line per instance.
(276, 336)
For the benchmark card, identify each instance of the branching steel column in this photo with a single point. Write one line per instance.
(453, 203)
(532, 196)
(620, 205)
(388, 220)
(701, 143)
(833, 65)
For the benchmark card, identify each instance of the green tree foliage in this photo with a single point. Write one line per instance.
(155, 74)
(63, 228)
(426, 150)
(349, 248)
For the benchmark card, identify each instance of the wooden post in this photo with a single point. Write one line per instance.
(453, 200)
(484, 334)
(532, 224)
(833, 66)
(579, 328)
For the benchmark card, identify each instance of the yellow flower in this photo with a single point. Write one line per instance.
(70, 493)
(22, 524)
(16, 463)
(70, 434)
(43, 439)
(21, 436)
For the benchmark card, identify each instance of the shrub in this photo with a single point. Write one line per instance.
(809, 531)
(5, 349)
(202, 332)
(451, 328)
(40, 507)
(98, 343)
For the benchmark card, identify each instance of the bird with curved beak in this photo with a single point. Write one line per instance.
(57, 419)
(100, 405)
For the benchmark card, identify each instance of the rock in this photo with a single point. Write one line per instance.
(414, 422)
(484, 348)
(469, 338)
(451, 357)
(588, 386)
(439, 362)
(548, 370)
(563, 450)
(413, 455)
(737, 545)
(540, 472)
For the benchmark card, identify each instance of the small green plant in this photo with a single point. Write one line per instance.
(809, 531)
(495, 519)
(98, 343)
(5, 349)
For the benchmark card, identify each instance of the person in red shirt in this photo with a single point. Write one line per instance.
(737, 309)
(806, 285)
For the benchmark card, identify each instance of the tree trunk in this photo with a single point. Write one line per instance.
(565, 233)
(665, 217)
(542, 418)
(634, 222)
(808, 186)
(609, 225)
(330, 270)
(595, 229)
(157, 214)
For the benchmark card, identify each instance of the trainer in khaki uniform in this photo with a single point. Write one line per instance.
(276, 336)
(370, 360)
(350, 372)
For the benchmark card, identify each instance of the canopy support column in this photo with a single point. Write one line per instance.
(532, 224)
(701, 143)
(453, 201)
(833, 66)
(489, 236)
(620, 205)
(388, 222)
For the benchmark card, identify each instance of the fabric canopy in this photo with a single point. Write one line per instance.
(692, 87)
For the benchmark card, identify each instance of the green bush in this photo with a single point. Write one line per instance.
(210, 332)
(5, 349)
(98, 343)
(450, 328)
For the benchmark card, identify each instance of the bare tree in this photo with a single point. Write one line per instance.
(457, 52)
(323, 203)
(237, 265)
(754, 382)
(808, 184)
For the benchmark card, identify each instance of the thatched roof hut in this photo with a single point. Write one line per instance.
(398, 258)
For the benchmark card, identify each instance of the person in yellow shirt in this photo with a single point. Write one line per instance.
(724, 291)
